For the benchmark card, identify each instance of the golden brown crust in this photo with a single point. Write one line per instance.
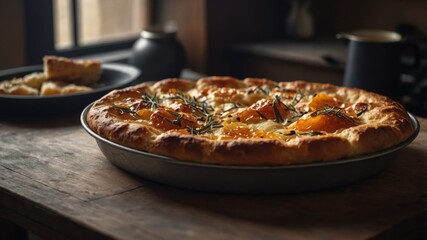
(173, 83)
(259, 82)
(279, 131)
(82, 72)
(220, 82)
(251, 152)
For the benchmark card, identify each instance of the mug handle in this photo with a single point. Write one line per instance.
(414, 63)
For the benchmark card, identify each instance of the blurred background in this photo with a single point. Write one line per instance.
(278, 39)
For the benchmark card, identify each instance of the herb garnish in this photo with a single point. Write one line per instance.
(209, 125)
(179, 118)
(364, 109)
(124, 110)
(331, 110)
(260, 89)
(152, 101)
(297, 98)
(174, 121)
(311, 133)
(260, 114)
(235, 106)
(279, 118)
(200, 106)
(292, 132)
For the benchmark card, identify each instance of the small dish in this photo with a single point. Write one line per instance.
(246, 179)
(114, 75)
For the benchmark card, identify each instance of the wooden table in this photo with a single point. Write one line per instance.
(55, 182)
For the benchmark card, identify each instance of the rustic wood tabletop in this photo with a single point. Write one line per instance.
(55, 182)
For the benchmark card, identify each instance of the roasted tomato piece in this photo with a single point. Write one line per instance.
(263, 109)
(140, 105)
(167, 119)
(322, 100)
(182, 107)
(327, 123)
(145, 113)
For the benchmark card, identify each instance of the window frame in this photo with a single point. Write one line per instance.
(40, 35)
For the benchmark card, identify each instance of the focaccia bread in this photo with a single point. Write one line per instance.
(254, 122)
(80, 72)
(60, 76)
(58, 87)
(27, 85)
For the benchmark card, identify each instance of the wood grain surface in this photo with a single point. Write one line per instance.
(55, 182)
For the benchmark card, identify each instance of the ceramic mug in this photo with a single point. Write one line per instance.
(374, 60)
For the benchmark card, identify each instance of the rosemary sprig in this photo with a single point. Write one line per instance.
(174, 121)
(199, 106)
(364, 109)
(209, 125)
(179, 118)
(311, 133)
(265, 91)
(277, 116)
(124, 110)
(292, 132)
(260, 114)
(235, 106)
(297, 98)
(331, 110)
(152, 101)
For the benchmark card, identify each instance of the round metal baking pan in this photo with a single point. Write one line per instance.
(246, 179)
